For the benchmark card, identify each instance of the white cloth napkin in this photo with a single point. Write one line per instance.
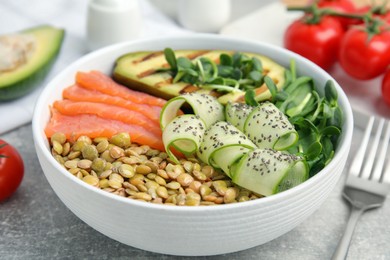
(70, 15)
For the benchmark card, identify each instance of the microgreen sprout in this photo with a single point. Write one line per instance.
(234, 73)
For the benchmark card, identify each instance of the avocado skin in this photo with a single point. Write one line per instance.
(27, 84)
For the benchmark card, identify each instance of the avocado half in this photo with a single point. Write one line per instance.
(138, 70)
(42, 44)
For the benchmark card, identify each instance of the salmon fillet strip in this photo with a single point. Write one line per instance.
(91, 125)
(96, 80)
(78, 93)
(74, 108)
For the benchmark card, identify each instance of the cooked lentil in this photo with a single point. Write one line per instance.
(137, 172)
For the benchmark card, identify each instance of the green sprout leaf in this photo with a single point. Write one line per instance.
(330, 92)
(225, 60)
(257, 65)
(250, 97)
(314, 151)
(171, 58)
(271, 86)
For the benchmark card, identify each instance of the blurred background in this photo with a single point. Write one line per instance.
(239, 7)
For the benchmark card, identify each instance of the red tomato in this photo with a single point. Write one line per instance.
(11, 170)
(364, 58)
(344, 6)
(317, 42)
(386, 17)
(386, 87)
(363, 9)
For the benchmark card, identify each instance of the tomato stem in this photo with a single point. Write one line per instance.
(1, 146)
(312, 9)
(345, 15)
(380, 9)
(373, 25)
(306, 9)
(316, 13)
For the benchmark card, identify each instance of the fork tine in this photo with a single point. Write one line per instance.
(372, 153)
(376, 175)
(386, 173)
(358, 160)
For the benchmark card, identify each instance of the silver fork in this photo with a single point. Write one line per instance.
(368, 181)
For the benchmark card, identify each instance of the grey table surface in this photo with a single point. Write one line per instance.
(35, 224)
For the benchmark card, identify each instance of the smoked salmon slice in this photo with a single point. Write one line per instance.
(98, 81)
(91, 125)
(74, 108)
(78, 93)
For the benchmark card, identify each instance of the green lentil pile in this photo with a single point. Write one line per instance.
(138, 172)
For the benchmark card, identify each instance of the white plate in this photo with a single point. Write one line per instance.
(269, 23)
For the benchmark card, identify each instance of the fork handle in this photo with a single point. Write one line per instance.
(342, 249)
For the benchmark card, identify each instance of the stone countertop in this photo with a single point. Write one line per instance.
(35, 224)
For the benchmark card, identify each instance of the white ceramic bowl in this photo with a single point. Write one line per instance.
(191, 231)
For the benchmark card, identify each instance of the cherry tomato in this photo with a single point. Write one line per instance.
(386, 87)
(344, 6)
(318, 42)
(11, 170)
(362, 56)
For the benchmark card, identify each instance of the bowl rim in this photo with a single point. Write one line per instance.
(341, 149)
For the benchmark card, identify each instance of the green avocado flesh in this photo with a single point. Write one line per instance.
(27, 58)
(137, 70)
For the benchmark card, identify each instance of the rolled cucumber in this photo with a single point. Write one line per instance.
(237, 114)
(184, 133)
(268, 127)
(221, 135)
(227, 156)
(206, 107)
(266, 171)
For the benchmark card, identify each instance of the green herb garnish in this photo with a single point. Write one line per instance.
(235, 73)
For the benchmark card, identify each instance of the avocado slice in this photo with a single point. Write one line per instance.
(27, 57)
(137, 70)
